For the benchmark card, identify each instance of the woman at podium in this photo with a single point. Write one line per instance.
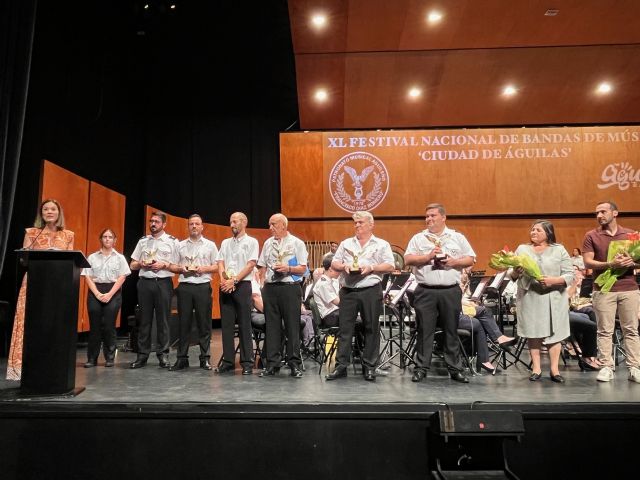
(108, 271)
(47, 233)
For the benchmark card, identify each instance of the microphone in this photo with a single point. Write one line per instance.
(25, 260)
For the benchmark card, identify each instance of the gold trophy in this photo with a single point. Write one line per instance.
(437, 260)
(280, 258)
(355, 266)
(149, 257)
(191, 263)
(229, 272)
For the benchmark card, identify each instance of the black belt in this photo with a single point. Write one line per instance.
(281, 283)
(360, 289)
(437, 287)
(155, 279)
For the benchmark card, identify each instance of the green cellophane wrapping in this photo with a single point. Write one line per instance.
(609, 277)
(504, 260)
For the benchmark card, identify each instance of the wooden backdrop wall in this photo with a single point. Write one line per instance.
(88, 209)
(178, 227)
(496, 187)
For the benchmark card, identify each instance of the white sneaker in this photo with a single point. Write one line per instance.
(634, 374)
(606, 374)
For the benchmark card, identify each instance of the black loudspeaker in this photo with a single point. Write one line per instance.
(470, 443)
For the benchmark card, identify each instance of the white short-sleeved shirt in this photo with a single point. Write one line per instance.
(202, 252)
(164, 248)
(237, 252)
(106, 269)
(374, 252)
(326, 291)
(452, 243)
(289, 249)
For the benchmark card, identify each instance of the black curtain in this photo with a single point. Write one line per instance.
(181, 110)
(17, 19)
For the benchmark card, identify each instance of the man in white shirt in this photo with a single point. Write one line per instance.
(282, 263)
(438, 255)
(236, 262)
(326, 293)
(196, 263)
(153, 256)
(362, 260)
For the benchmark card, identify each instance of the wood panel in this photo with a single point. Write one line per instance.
(72, 192)
(556, 86)
(473, 172)
(383, 25)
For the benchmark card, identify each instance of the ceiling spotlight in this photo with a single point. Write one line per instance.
(509, 91)
(604, 88)
(172, 6)
(414, 92)
(434, 17)
(319, 20)
(321, 95)
(146, 7)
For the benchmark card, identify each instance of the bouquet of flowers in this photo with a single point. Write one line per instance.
(629, 247)
(506, 259)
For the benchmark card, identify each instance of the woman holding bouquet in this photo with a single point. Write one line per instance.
(543, 308)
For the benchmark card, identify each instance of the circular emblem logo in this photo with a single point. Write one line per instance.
(358, 181)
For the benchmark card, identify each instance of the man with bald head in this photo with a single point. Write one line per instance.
(282, 262)
(236, 260)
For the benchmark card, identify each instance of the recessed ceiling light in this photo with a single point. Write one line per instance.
(321, 95)
(509, 91)
(319, 20)
(172, 7)
(434, 17)
(414, 92)
(146, 7)
(604, 88)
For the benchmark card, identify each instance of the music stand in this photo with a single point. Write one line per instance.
(398, 312)
(480, 287)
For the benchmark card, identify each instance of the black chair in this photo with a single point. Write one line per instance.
(321, 337)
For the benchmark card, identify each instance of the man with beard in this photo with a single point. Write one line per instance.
(196, 263)
(153, 256)
(622, 299)
(236, 260)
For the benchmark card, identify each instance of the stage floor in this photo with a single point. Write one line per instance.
(194, 385)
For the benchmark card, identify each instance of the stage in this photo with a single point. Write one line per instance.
(202, 423)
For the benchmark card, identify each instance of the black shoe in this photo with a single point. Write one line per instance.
(369, 375)
(224, 368)
(492, 371)
(584, 366)
(163, 361)
(180, 364)
(108, 363)
(138, 363)
(89, 364)
(247, 370)
(556, 378)
(534, 377)
(296, 372)
(459, 377)
(418, 375)
(339, 372)
(269, 372)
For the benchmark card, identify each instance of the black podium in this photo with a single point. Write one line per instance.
(50, 324)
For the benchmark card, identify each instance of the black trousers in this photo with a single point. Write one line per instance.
(331, 320)
(154, 295)
(584, 330)
(368, 303)
(102, 323)
(282, 304)
(194, 301)
(435, 306)
(235, 307)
